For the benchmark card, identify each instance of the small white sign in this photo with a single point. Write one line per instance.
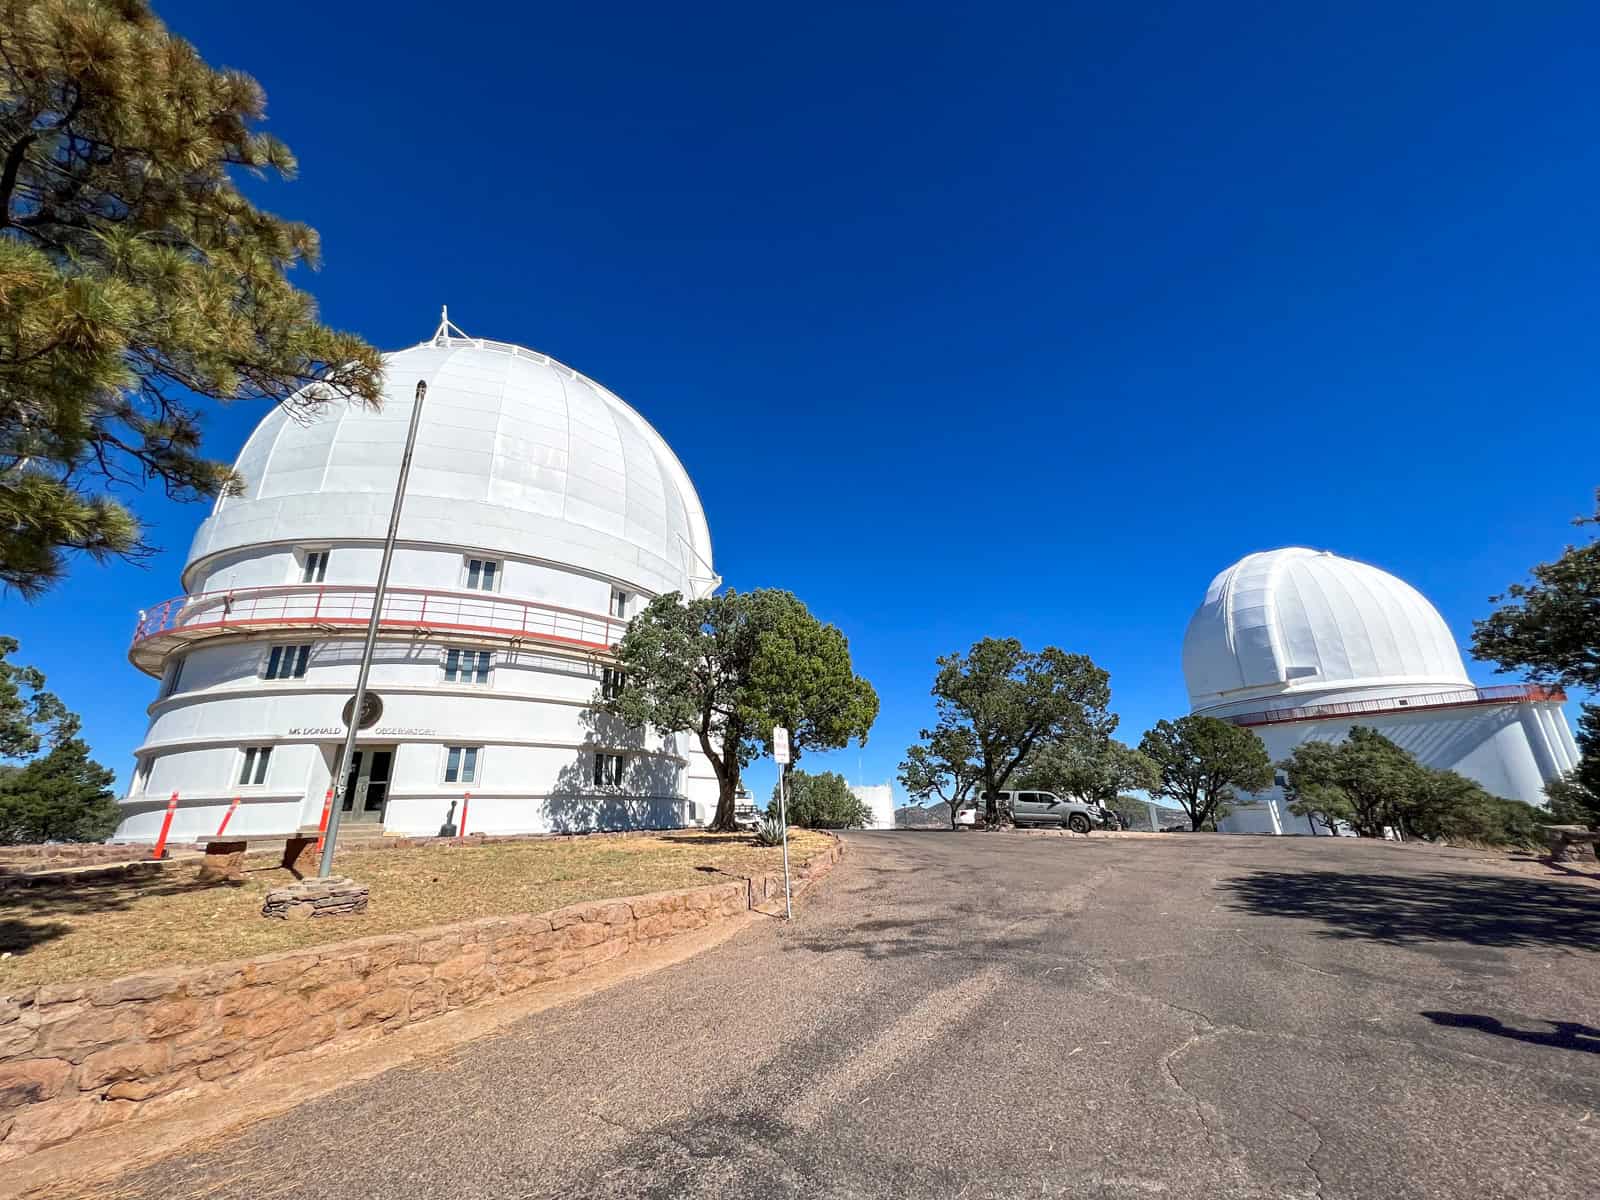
(780, 744)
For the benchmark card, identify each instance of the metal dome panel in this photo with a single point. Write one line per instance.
(516, 454)
(1296, 620)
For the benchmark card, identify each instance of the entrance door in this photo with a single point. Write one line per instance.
(367, 789)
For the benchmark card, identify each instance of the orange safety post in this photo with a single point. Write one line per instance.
(322, 829)
(461, 830)
(166, 827)
(227, 816)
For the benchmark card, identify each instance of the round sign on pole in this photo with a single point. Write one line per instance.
(371, 710)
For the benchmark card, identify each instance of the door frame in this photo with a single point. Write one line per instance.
(361, 768)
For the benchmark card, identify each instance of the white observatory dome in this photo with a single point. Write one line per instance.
(515, 452)
(1297, 621)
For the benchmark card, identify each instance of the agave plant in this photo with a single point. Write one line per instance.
(769, 832)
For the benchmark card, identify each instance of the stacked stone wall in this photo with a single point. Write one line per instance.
(81, 1056)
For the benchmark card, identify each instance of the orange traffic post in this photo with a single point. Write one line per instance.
(461, 831)
(227, 816)
(322, 828)
(166, 827)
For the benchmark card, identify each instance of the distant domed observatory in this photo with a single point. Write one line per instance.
(1299, 645)
(542, 513)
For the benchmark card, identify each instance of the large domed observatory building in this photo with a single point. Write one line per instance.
(541, 514)
(1299, 645)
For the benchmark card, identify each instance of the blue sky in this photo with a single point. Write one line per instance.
(970, 320)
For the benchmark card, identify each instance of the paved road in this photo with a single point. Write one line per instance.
(1004, 1015)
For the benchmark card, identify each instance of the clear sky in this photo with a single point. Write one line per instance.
(970, 320)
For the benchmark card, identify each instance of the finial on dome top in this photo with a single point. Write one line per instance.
(446, 327)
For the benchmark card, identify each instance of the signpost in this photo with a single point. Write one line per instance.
(780, 755)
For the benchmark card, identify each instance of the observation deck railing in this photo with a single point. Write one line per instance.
(332, 607)
(1514, 693)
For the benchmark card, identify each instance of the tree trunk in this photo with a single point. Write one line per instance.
(723, 822)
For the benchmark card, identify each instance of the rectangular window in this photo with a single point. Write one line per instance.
(461, 764)
(174, 678)
(287, 662)
(482, 574)
(619, 602)
(611, 680)
(316, 567)
(254, 771)
(467, 666)
(607, 770)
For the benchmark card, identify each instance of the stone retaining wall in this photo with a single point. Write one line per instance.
(76, 854)
(79, 1056)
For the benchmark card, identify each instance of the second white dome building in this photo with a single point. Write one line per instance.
(1299, 645)
(541, 514)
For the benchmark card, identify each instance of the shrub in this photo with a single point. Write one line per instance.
(821, 802)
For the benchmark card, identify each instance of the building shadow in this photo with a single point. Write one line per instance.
(1412, 909)
(647, 796)
(1563, 1035)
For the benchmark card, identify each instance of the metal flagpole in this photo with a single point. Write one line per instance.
(341, 779)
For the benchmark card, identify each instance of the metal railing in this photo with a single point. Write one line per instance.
(413, 609)
(1458, 698)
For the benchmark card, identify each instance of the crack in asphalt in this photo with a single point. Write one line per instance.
(1309, 1163)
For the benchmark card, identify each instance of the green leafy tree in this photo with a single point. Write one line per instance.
(1550, 629)
(728, 668)
(943, 766)
(30, 716)
(1575, 798)
(1370, 782)
(1201, 762)
(1010, 700)
(61, 796)
(1447, 806)
(135, 278)
(1093, 770)
(1310, 788)
(822, 801)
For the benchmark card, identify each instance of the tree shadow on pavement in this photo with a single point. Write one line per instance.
(1564, 1035)
(1409, 909)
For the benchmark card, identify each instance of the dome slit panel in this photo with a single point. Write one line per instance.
(1302, 655)
(1253, 640)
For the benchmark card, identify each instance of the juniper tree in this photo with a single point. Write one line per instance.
(1201, 761)
(728, 668)
(136, 280)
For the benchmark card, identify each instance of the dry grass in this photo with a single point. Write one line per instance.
(98, 929)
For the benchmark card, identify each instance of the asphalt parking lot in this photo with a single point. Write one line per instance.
(984, 1015)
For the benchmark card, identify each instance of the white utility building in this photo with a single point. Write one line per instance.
(879, 799)
(542, 512)
(1299, 645)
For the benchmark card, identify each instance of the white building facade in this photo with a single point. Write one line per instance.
(879, 799)
(1300, 645)
(541, 514)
